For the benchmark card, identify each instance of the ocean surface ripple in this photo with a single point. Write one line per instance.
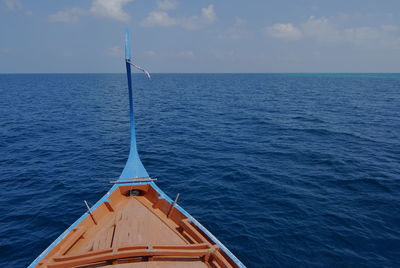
(287, 170)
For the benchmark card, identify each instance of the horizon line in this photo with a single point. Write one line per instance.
(212, 73)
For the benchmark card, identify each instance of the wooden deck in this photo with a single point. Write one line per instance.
(136, 231)
(161, 264)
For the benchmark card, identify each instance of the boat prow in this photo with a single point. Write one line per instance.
(136, 225)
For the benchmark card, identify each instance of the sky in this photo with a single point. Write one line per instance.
(202, 36)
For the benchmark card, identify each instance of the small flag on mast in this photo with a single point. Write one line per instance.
(139, 68)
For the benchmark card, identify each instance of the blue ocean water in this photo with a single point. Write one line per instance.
(287, 170)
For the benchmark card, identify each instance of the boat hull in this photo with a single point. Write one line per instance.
(136, 224)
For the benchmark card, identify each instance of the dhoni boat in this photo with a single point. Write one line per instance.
(135, 224)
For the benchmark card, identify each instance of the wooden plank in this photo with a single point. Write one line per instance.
(161, 264)
(71, 240)
(61, 262)
(221, 260)
(191, 230)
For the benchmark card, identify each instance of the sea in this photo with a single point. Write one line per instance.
(287, 170)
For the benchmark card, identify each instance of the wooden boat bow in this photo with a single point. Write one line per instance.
(135, 224)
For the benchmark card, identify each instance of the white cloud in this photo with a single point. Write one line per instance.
(196, 22)
(386, 37)
(284, 31)
(13, 4)
(208, 14)
(323, 31)
(103, 8)
(361, 34)
(68, 16)
(320, 29)
(235, 32)
(110, 9)
(160, 17)
(167, 4)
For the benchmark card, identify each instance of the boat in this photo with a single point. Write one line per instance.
(135, 224)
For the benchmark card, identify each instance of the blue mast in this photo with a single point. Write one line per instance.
(133, 167)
